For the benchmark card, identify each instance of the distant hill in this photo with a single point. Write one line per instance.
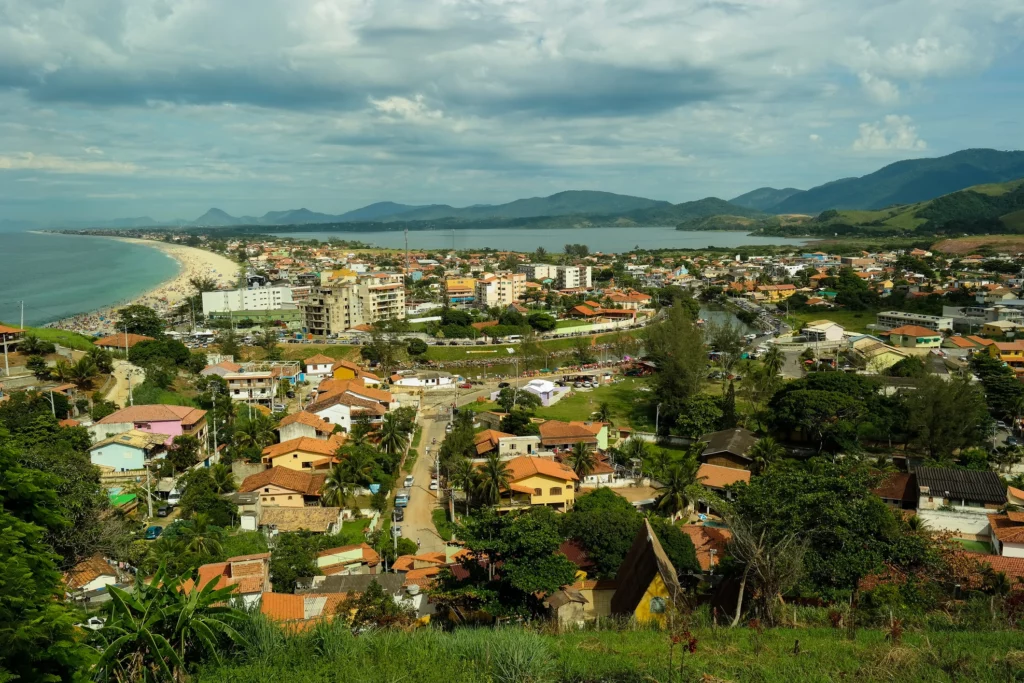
(673, 214)
(378, 211)
(561, 204)
(215, 218)
(764, 198)
(908, 182)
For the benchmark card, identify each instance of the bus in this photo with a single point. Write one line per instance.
(402, 498)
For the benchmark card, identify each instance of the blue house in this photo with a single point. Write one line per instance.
(129, 450)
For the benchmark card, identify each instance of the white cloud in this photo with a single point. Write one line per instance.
(879, 89)
(57, 164)
(894, 133)
(814, 137)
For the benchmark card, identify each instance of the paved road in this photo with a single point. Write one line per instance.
(792, 368)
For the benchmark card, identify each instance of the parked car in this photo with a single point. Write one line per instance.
(397, 531)
(433, 484)
(92, 623)
(409, 481)
(174, 498)
(152, 532)
(1012, 441)
(163, 511)
(448, 428)
(399, 514)
(290, 394)
(465, 385)
(502, 385)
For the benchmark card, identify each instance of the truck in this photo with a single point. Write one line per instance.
(402, 497)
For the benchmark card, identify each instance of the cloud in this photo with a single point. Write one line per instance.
(894, 133)
(55, 164)
(879, 89)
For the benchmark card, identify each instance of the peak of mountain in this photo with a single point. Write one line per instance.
(216, 217)
(378, 211)
(566, 203)
(908, 182)
(764, 197)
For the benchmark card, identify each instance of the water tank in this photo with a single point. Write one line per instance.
(374, 488)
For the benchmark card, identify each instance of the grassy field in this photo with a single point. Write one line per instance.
(855, 321)
(352, 531)
(975, 546)
(62, 337)
(513, 655)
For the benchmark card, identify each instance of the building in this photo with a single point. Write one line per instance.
(338, 402)
(170, 421)
(631, 300)
(574, 277)
(898, 490)
(915, 337)
(717, 478)
(303, 453)
(539, 481)
(728, 448)
(488, 441)
(774, 293)
(1006, 533)
(647, 582)
(319, 367)
(347, 560)
(90, 575)
(304, 424)
(426, 379)
(344, 369)
(1001, 328)
(460, 291)
(285, 487)
(258, 386)
(248, 575)
(959, 501)
(710, 543)
(131, 450)
(9, 337)
(252, 299)
(822, 331)
(892, 319)
(564, 435)
(499, 290)
(1011, 353)
(118, 342)
(537, 272)
(317, 520)
(352, 300)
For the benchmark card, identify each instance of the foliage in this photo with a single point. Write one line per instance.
(184, 452)
(676, 346)
(376, 608)
(512, 397)
(495, 477)
(229, 345)
(677, 545)
(518, 423)
(605, 524)
(200, 496)
(582, 459)
(680, 487)
(416, 347)
(911, 366)
(945, 416)
(293, 559)
(699, 415)
(139, 319)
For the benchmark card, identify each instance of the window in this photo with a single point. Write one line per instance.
(266, 490)
(272, 498)
(657, 605)
(511, 446)
(538, 492)
(289, 497)
(556, 491)
(307, 465)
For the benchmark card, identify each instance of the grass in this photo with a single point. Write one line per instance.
(352, 532)
(623, 398)
(416, 436)
(410, 460)
(856, 321)
(63, 337)
(441, 523)
(975, 546)
(511, 654)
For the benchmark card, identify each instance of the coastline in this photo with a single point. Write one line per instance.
(192, 262)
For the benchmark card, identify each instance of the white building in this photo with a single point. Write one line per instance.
(351, 300)
(822, 331)
(251, 387)
(426, 380)
(574, 277)
(499, 290)
(892, 319)
(255, 299)
(538, 272)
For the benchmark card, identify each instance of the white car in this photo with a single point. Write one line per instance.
(92, 623)
(433, 484)
(409, 481)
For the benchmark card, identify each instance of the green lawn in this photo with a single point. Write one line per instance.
(62, 337)
(855, 321)
(441, 523)
(625, 400)
(352, 532)
(974, 546)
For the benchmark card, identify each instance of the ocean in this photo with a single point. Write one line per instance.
(60, 275)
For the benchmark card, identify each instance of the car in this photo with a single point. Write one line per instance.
(433, 484)
(92, 623)
(1012, 441)
(409, 481)
(290, 394)
(465, 385)
(481, 343)
(448, 428)
(397, 531)
(174, 498)
(399, 515)
(503, 385)
(153, 532)
(280, 407)
(163, 511)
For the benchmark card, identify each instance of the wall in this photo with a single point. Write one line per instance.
(337, 415)
(963, 524)
(657, 589)
(118, 456)
(545, 484)
(296, 430)
(296, 460)
(241, 470)
(276, 496)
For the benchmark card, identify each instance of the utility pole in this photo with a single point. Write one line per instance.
(23, 314)
(149, 494)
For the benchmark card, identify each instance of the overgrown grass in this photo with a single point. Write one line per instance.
(416, 436)
(441, 523)
(626, 401)
(410, 460)
(329, 652)
(62, 337)
(352, 532)
(244, 543)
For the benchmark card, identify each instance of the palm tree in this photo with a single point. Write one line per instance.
(466, 477)
(358, 464)
(82, 372)
(223, 479)
(336, 487)
(392, 437)
(764, 453)
(201, 537)
(915, 524)
(680, 488)
(256, 432)
(773, 360)
(582, 460)
(158, 626)
(634, 449)
(495, 476)
(604, 413)
(61, 370)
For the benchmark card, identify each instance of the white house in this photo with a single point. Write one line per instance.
(319, 367)
(1007, 533)
(426, 380)
(823, 331)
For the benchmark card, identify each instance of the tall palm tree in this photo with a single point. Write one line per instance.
(392, 436)
(495, 476)
(255, 432)
(582, 460)
(82, 372)
(61, 370)
(773, 360)
(158, 626)
(201, 537)
(764, 453)
(358, 464)
(223, 479)
(466, 477)
(680, 487)
(336, 487)
(604, 413)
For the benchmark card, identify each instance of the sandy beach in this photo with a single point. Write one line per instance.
(193, 263)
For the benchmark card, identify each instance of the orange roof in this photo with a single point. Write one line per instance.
(524, 466)
(554, 431)
(980, 340)
(226, 365)
(369, 554)
(320, 359)
(1011, 566)
(1016, 493)
(487, 440)
(914, 331)
(69, 423)
(408, 562)
(284, 477)
(1006, 529)
(421, 577)
(960, 342)
(155, 413)
(308, 419)
(584, 310)
(87, 570)
(121, 340)
(9, 330)
(705, 539)
(283, 606)
(716, 476)
(305, 444)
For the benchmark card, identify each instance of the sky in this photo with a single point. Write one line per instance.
(165, 108)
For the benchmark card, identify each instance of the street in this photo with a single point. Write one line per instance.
(121, 370)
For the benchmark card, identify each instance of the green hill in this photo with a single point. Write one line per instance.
(764, 198)
(561, 204)
(908, 182)
(673, 214)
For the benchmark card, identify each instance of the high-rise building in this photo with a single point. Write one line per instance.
(573, 277)
(252, 299)
(538, 272)
(350, 300)
(500, 290)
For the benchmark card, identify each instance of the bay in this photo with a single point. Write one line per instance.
(60, 275)
(613, 240)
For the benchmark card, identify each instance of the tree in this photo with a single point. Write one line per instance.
(945, 416)
(267, 340)
(729, 418)
(699, 415)
(416, 347)
(184, 452)
(765, 453)
(101, 408)
(510, 398)
(155, 629)
(829, 418)
(139, 319)
(254, 432)
(336, 487)
(677, 545)
(542, 322)
(393, 437)
(201, 537)
(222, 478)
(293, 559)
(38, 367)
(604, 413)
(464, 475)
(83, 371)
(34, 346)
(773, 360)
(61, 370)
(605, 524)
(228, 344)
(518, 423)
(582, 460)
(200, 496)
(376, 608)
(495, 477)
(676, 346)
(385, 343)
(680, 489)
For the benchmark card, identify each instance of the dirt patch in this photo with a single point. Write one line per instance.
(968, 245)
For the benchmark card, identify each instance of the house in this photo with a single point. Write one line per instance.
(487, 441)
(1001, 328)
(603, 473)
(318, 520)
(303, 453)
(887, 320)
(710, 544)
(344, 369)
(717, 477)
(299, 612)
(171, 421)
(249, 575)
(349, 585)
(221, 369)
(774, 293)
(959, 500)
(898, 490)
(285, 487)
(423, 379)
(822, 331)
(118, 342)
(878, 357)
(510, 446)
(256, 386)
(914, 337)
(631, 300)
(303, 424)
(319, 367)
(131, 450)
(539, 481)
(1006, 533)
(350, 559)
(339, 401)
(648, 584)
(563, 435)
(547, 391)
(91, 574)
(1011, 353)
(9, 337)
(728, 448)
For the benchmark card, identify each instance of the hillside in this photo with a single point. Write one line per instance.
(561, 204)
(378, 211)
(673, 214)
(764, 198)
(908, 182)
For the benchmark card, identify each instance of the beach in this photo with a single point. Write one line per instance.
(192, 262)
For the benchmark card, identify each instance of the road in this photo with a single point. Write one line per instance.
(433, 416)
(792, 368)
(119, 393)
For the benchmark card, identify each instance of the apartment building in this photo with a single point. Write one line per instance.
(500, 290)
(538, 272)
(892, 319)
(460, 290)
(574, 277)
(252, 387)
(351, 300)
(252, 299)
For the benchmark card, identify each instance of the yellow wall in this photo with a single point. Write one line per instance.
(294, 460)
(657, 589)
(460, 283)
(342, 372)
(279, 497)
(884, 361)
(545, 484)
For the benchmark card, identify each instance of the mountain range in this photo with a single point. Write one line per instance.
(901, 183)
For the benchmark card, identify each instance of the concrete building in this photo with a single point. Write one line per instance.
(890, 319)
(252, 387)
(538, 272)
(822, 331)
(164, 420)
(460, 290)
(499, 290)
(350, 300)
(253, 299)
(131, 450)
(574, 277)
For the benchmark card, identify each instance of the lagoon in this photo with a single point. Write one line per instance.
(611, 240)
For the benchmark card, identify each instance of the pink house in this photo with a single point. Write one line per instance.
(155, 419)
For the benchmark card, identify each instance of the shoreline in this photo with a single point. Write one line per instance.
(192, 262)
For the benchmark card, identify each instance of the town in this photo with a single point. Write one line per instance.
(360, 438)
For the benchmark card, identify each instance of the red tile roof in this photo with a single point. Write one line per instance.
(705, 539)
(155, 413)
(1006, 528)
(284, 477)
(308, 419)
(717, 477)
(87, 570)
(305, 444)
(522, 467)
(914, 331)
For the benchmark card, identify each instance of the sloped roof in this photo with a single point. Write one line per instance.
(914, 331)
(556, 432)
(983, 487)
(357, 583)
(705, 539)
(1006, 529)
(735, 441)
(718, 477)
(305, 444)
(487, 440)
(525, 466)
(87, 570)
(294, 480)
(898, 486)
(319, 359)
(155, 413)
(133, 438)
(308, 419)
(576, 553)
(314, 519)
(645, 560)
